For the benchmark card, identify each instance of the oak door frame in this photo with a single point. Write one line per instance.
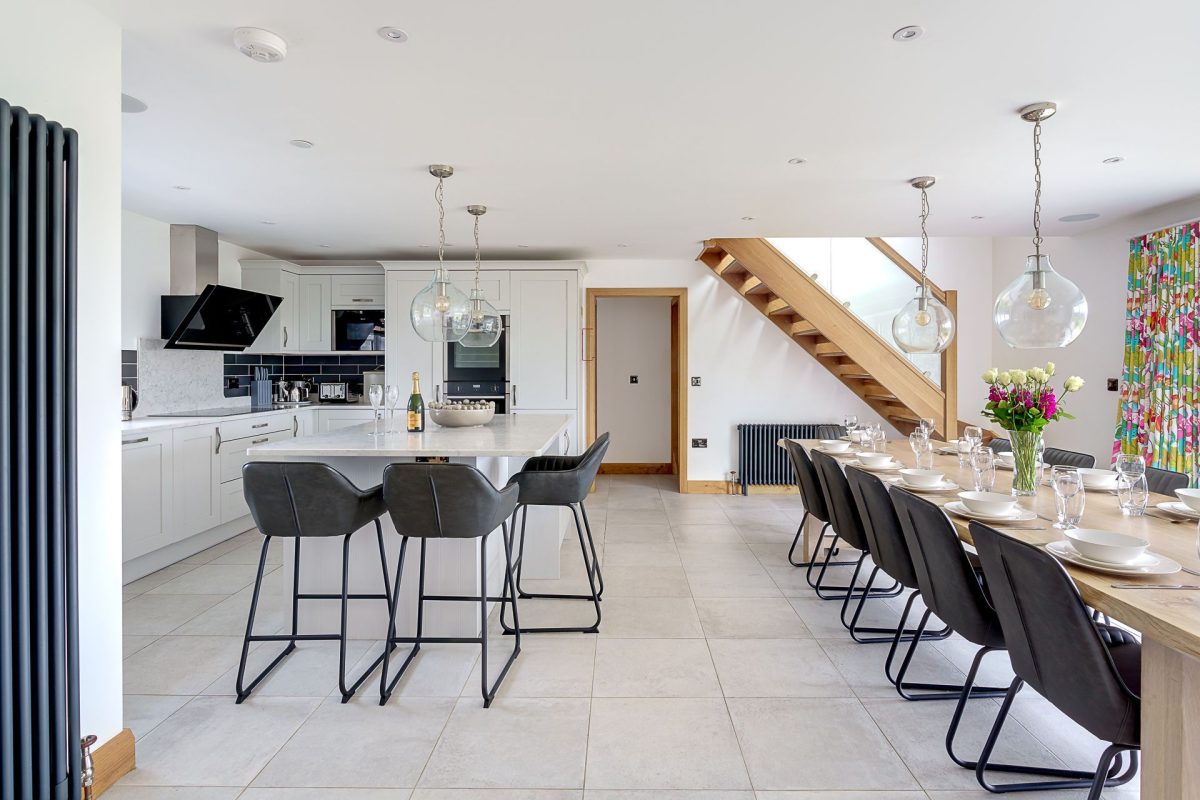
(679, 377)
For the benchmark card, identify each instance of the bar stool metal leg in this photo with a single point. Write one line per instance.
(592, 567)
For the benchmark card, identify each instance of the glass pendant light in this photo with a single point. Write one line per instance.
(924, 325)
(1040, 308)
(483, 322)
(440, 310)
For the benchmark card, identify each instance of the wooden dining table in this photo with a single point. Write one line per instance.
(1167, 619)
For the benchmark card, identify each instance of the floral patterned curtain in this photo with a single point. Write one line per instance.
(1158, 414)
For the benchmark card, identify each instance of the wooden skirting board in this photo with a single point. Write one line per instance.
(721, 487)
(112, 760)
(636, 469)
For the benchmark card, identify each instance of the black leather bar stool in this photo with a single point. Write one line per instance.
(1090, 672)
(448, 501)
(298, 501)
(562, 481)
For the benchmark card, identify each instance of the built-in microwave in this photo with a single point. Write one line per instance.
(358, 329)
(478, 364)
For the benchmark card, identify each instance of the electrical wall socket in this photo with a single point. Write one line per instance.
(701, 443)
(695, 380)
(633, 378)
(1113, 385)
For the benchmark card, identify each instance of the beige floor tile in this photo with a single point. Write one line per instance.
(249, 553)
(862, 665)
(776, 668)
(325, 794)
(497, 794)
(131, 644)
(212, 742)
(663, 744)
(619, 513)
(439, 670)
(209, 579)
(228, 618)
(696, 555)
(753, 618)
(696, 515)
(769, 532)
(123, 791)
(160, 614)
(642, 581)
(518, 743)
(718, 533)
(155, 579)
(311, 670)
(548, 666)
(143, 712)
(659, 794)
(823, 617)
(775, 554)
(640, 554)
(360, 744)
(650, 618)
(625, 533)
(828, 743)
(823, 795)
(180, 664)
(654, 668)
(736, 580)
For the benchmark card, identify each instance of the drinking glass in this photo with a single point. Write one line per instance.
(1133, 493)
(391, 396)
(850, 422)
(983, 469)
(1069, 496)
(1130, 464)
(926, 424)
(375, 395)
(874, 439)
(922, 448)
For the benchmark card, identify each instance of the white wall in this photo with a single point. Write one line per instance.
(1098, 262)
(751, 371)
(146, 273)
(633, 337)
(78, 83)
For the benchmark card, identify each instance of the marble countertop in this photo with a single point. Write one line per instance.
(143, 424)
(517, 435)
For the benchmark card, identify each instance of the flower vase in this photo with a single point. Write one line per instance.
(1027, 450)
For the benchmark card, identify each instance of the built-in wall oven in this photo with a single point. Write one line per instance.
(478, 372)
(358, 329)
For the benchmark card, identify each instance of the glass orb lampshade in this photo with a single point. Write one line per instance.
(483, 322)
(1040, 308)
(923, 325)
(440, 312)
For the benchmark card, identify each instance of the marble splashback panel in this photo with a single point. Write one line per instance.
(180, 380)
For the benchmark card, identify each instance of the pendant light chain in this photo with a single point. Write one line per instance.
(477, 251)
(1037, 187)
(924, 242)
(438, 196)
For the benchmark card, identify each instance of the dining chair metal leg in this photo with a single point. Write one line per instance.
(930, 691)
(861, 596)
(814, 558)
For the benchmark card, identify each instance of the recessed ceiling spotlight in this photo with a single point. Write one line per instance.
(1078, 217)
(182, 188)
(393, 34)
(323, 245)
(797, 161)
(747, 219)
(131, 105)
(424, 245)
(977, 216)
(262, 46)
(622, 245)
(523, 246)
(303, 144)
(1113, 160)
(265, 222)
(908, 33)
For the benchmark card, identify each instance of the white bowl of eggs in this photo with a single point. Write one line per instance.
(462, 413)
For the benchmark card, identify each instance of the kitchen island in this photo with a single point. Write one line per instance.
(498, 449)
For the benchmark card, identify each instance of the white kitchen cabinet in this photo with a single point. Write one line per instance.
(406, 351)
(494, 284)
(333, 419)
(358, 291)
(304, 422)
(146, 475)
(569, 440)
(233, 501)
(196, 475)
(316, 312)
(543, 339)
(233, 454)
(274, 277)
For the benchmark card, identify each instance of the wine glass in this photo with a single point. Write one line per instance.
(926, 424)
(972, 438)
(922, 448)
(983, 468)
(375, 395)
(850, 422)
(875, 437)
(1069, 496)
(391, 396)
(1130, 464)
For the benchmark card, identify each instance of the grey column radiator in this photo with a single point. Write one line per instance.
(762, 462)
(39, 656)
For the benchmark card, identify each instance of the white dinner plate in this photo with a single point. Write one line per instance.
(945, 486)
(957, 508)
(1179, 509)
(849, 452)
(887, 466)
(1147, 564)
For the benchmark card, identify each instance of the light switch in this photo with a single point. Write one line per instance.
(633, 378)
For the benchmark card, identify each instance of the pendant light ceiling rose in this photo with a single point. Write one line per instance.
(476, 210)
(441, 170)
(923, 182)
(1038, 112)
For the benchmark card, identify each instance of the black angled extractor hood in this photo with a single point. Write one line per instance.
(219, 318)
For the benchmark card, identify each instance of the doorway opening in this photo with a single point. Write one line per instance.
(635, 349)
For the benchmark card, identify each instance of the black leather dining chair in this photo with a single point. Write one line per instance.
(999, 445)
(848, 525)
(1165, 481)
(1090, 672)
(562, 481)
(814, 506)
(448, 501)
(308, 501)
(1054, 457)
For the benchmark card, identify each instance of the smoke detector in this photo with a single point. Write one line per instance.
(260, 45)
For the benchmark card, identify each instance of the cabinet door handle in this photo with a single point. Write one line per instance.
(260, 441)
(285, 335)
(259, 425)
(437, 394)
(295, 425)
(364, 300)
(218, 450)
(514, 394)
(136, 441)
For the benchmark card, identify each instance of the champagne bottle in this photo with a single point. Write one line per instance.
(416, 406)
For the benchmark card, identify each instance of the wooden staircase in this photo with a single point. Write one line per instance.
(815, 319)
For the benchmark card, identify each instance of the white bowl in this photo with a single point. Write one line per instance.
(874, 459)
(835, 445)
(924, 478)
(1190, 498)
(1098, 478)
(991, 503)
(1006, 458)
(1106, 546)
(461, 417)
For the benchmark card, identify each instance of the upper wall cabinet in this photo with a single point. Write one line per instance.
(543, 344)
(494, 283)
(315, 309)
(358, 291)
(279, 279)
(406, 352)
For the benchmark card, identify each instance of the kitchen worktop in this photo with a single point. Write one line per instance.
(142, 424)
(507, 435)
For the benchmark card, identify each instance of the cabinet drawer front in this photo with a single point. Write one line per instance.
(494, 285)
(233, 501)
(357, 291)
(233, 454)
(253, 426)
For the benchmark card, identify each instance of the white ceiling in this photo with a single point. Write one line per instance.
(650, 123)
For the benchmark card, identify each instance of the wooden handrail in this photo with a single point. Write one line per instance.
(904, 264)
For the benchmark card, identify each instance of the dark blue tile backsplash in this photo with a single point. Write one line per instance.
(239, 368)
